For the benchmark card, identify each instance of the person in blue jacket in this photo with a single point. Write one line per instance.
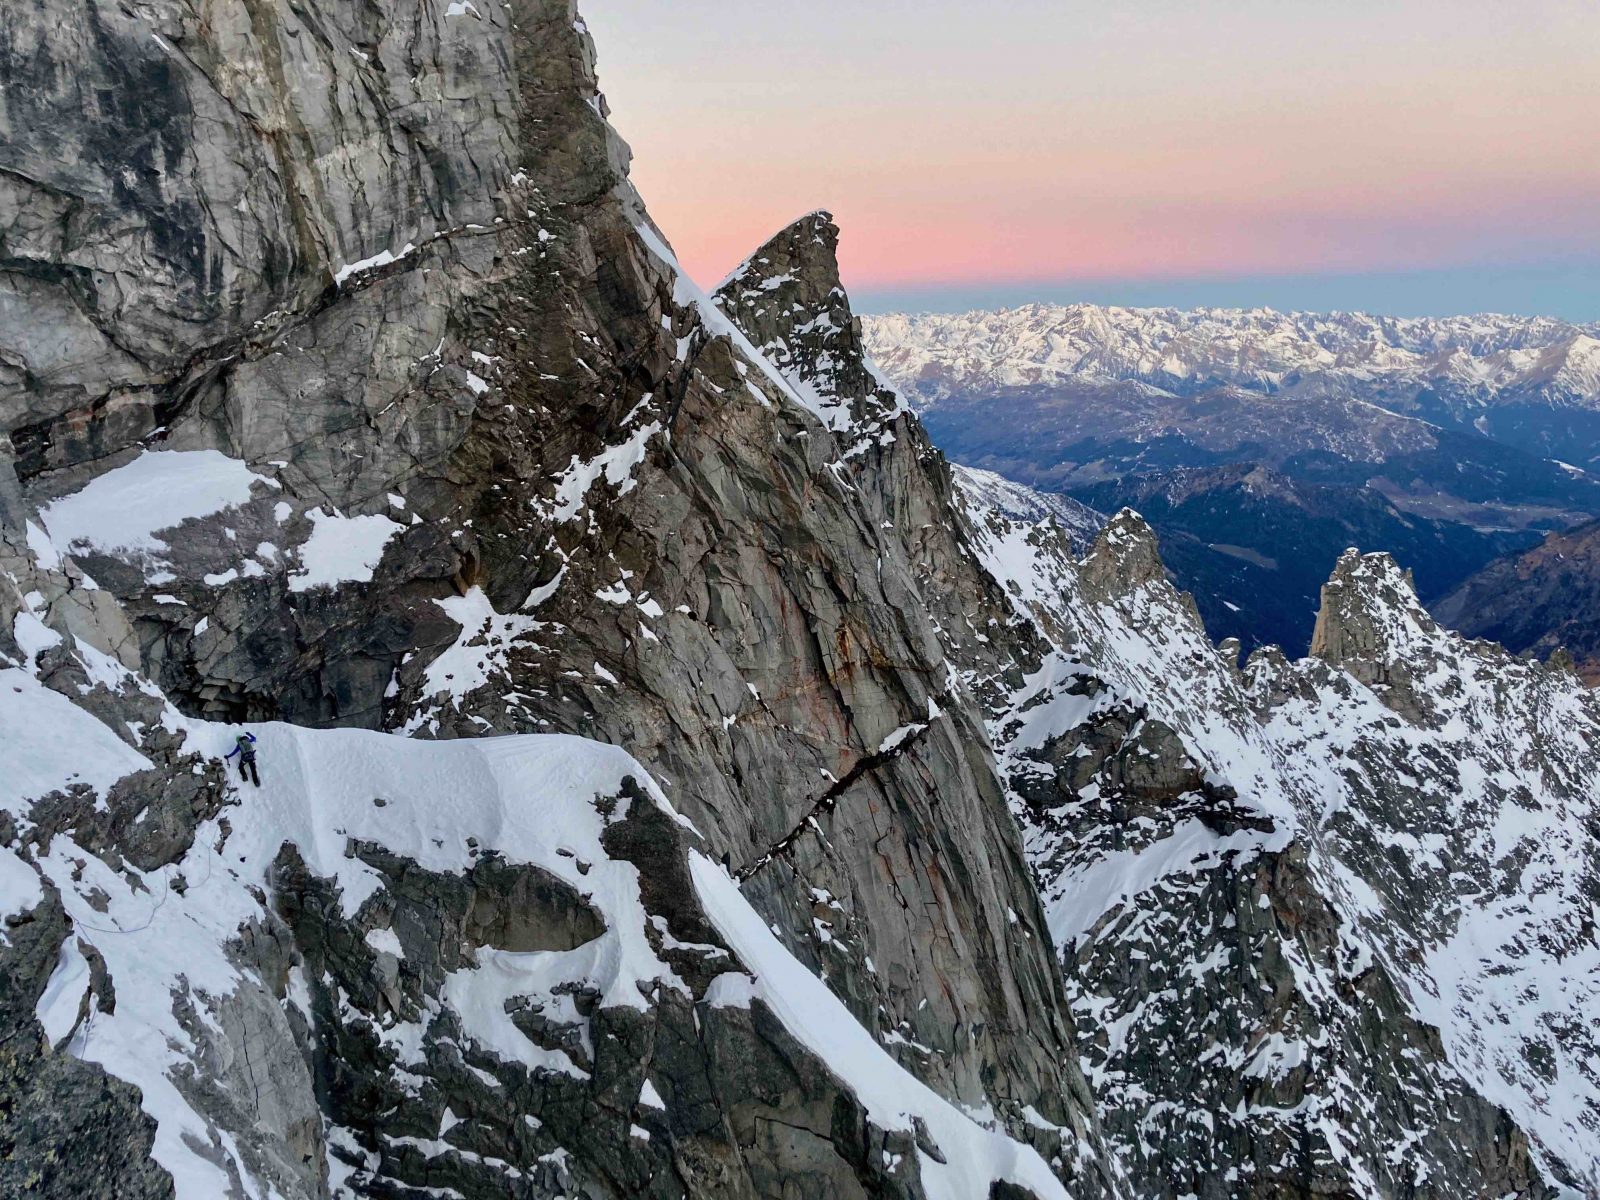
(245, 747)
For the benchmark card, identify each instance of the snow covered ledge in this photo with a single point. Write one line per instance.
(341, 800)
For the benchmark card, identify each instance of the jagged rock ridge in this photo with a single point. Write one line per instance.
(432, 436)
(1323, 920)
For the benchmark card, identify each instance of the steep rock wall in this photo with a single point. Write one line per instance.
(506, 471)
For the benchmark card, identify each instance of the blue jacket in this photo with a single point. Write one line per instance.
(249, 750)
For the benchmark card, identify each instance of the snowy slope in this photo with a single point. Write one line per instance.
(1404, 825)
(345, 805)
(988, 492)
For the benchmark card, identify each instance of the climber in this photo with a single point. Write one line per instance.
(245, 748)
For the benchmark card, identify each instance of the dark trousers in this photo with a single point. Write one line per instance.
(247, 770)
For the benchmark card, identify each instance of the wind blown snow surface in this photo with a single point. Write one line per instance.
(49, 743)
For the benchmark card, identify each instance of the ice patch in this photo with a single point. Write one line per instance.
(62, 1000)
(33, 637)
(43, 548)
(385, 941)
(650, 1098)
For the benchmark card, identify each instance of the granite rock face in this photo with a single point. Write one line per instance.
(466, 454)
(761, 621)
(756, 621)
(185, 182)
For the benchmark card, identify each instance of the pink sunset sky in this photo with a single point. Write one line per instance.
(1026, 143)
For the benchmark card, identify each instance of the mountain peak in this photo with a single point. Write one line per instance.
(806, 250)
(1126, 554)
(1374, 578)
(1370, 617)
(788, 299)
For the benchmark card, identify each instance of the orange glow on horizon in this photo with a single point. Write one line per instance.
(1154, 141)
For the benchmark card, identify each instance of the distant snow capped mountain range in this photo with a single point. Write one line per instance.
(1447, 441)
(1488, 359)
